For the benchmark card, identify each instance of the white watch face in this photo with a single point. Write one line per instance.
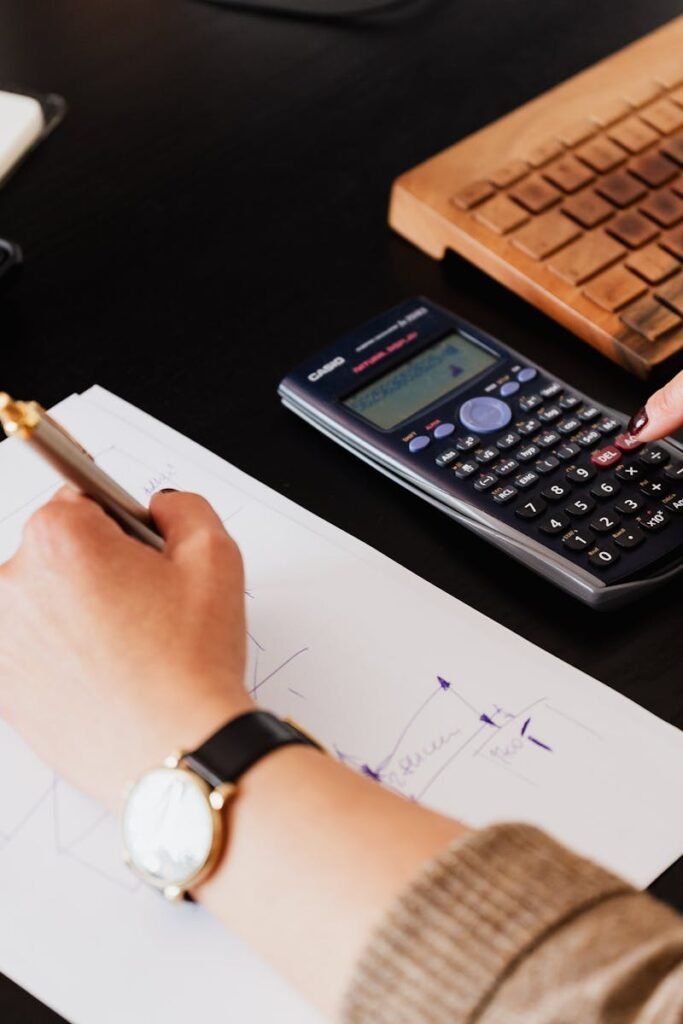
(168, 827)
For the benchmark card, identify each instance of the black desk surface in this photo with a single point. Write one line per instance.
(214, 208)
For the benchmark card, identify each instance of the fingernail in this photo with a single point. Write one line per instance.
(637, 421)
(169, 490)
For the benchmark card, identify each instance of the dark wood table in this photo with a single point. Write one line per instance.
(214, 208)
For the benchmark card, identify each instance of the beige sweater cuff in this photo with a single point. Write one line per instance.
(465, 922)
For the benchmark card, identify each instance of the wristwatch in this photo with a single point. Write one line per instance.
(173, 828)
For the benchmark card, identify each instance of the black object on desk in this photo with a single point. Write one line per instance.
(213, 210)
(10, 261)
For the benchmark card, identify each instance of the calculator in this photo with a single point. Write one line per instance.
(516, 455)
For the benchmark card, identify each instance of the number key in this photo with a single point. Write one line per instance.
(605, 523)
(605, 489)
(554, 523)
(530, 509)
(603, 556)
(629, 505)
(580, 474)
(581, 506)
(556, 492)
(578, 540)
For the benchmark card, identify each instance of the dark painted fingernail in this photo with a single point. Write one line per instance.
(637, 421)
(169, 490)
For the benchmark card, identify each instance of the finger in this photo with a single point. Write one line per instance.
(68, 493)
(662, 414)
(186, 521)
(70, 526)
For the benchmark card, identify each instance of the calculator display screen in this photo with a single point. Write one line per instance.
(420, 381)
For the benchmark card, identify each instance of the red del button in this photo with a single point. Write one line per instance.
(606, 457)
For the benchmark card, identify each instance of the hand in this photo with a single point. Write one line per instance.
(113, 655)
(663, 413)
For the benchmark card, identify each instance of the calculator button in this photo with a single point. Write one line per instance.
(588, 438)
(547, 438)
(508, 440)
(630, 504)
(446, 457)
(631, 472)
(629, 538)
(485, 414)
(484, 481)
(530, 509)
(578, 540)
(654, 456)
(554, 523)
(444, 430)
(418, 443)
(606, 457)
(529, 402)
(528, 452)
(580, 474)
(581, 506)
(550, 413)
(567, 451)
(602, 556)
(655, 488)
(556, 492)
(464, 469)
(511, 387)
(569, 401)
(504, 494)
(484, 455)
(654, 519)
(674, 471)
(467, 442)
(627, 443)
(527, 374)
(605, 523)
(547, 465)
(550, 390)
(605, 489)
(675, 504)
(505, 467)
(569, 426)
(528, 426)
(588, 413)
(607, 425)
(525, 479)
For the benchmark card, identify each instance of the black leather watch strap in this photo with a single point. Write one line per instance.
(235, 748)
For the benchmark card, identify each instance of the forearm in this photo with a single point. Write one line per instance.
(315, 854)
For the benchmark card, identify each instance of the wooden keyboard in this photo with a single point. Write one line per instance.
(575, 201)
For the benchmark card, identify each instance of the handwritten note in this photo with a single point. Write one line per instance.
(410, 687)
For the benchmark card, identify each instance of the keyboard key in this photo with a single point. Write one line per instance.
(654, 456)
(550, 413)
(629, 504)
(501, 215)
(567, 451)
(639, 93)
(547, 465)
(502, 495)
(615, 289)
(633, 134)
(605, 489)
(556, 492)
(580, 506)
(655, 488)
(551, 390)
(632, 229)
(653, 168)
(606, 457)
(585, 258)
(510, 173)
(443, 430)
(546, 234)
(627, 443)
(508, 440)
(486, 455)
(556, 522)
(653, 264)
(629, 473)
(447, 456)
(603, 556)
(511, 387)
(547, 438)
(666, 117)
(675, 504)
(674, 148)
(605, 522)
(577, 132)
(505, 467)
(650, 318)
(526, 374)
(525, 479)
(674, 471)
(467, 442)
(568, 402)
(621, 188)
(529, 402)
(569, 425)
(607, 425)
(587, 208)
(664, 207)
(527, 453)
(628, 537)
(610, 111)
(654, 519)
(419, 443)
(578, 540)
(568, 173)
(673, 242)
(465, 469)
(671, 292)
(580, 474)
(484, 481)
(588, 438)
(528, 426)
(473, 194)
(588, 413)
(535, 194)
(531, 509)
(601, 154)
(544, 152)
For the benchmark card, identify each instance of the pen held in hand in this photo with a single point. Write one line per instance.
(30, 422)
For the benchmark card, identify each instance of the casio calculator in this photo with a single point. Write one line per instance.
(497, 443)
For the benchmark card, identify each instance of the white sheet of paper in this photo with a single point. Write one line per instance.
(396, 677)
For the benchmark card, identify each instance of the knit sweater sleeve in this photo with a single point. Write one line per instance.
(506, 927)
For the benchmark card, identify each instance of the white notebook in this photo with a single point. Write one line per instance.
(398, 679)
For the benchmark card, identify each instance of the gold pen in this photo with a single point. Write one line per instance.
(30, 422)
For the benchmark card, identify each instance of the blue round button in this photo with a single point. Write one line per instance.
(418, 443)
(444, 430)
(527, 374)
(482, 415)
(509, 388)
